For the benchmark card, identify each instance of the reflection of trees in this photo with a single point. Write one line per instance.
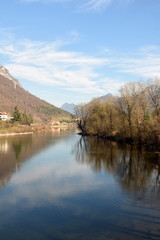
(20, 143)
(135, 170)
(93, 152)
(19, 149)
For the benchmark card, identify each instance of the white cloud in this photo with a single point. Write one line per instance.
(47, 64)
(85, 5)
(144, 63)
(111, 85)
(46, 1)
(97, 5)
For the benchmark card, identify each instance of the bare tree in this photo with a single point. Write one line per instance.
(81, 114)
(153, 90)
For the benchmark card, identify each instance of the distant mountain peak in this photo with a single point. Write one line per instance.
(108, 95)
(5, 73)
(69, 107)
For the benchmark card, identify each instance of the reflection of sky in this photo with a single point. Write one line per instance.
(53, 196)
(50, 175)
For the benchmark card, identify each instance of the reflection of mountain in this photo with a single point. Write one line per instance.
(135, 171)
(14, 151)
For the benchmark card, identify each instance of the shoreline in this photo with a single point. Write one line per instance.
(35, 130)
(13, 134)
(148, 147)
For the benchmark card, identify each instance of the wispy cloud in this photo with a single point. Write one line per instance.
(45, 1)
(144, 63)
(96, 5)
(85, 5)
(47, 64)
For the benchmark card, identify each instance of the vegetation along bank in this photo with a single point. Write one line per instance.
(133, 116)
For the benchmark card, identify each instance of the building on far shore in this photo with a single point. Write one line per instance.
(54, 123)
(5, 116)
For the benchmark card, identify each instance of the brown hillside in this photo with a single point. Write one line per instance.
(12, 95)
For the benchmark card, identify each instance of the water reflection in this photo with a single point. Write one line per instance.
(15, 150)
(4, 147)
(136, 171)
(54, 196)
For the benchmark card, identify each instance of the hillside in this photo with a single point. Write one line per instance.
(12, 94)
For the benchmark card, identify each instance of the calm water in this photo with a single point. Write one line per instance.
(62, 186)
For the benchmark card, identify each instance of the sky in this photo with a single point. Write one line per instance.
(74, 50)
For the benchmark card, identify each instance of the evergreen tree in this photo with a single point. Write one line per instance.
(27, 119)
(17, 116)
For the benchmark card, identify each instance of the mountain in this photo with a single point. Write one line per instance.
(108, 95)
(13, 94)
(4, 72)
(69, 107)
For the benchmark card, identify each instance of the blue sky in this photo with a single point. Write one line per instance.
(74, 50)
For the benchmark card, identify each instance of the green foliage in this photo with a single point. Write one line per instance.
(148, 116)
(17, 115)
(27, 119)
(23, 118)
(50, 110)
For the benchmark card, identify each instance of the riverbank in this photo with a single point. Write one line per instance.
(132, 117)
(15, 134)
(12, 130)
(150, 145)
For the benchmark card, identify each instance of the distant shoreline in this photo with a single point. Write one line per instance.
(13, 134)
(33, 129)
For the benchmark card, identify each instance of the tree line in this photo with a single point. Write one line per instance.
(23, 118)
(133, 116)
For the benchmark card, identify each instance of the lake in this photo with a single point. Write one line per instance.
(63, 186)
